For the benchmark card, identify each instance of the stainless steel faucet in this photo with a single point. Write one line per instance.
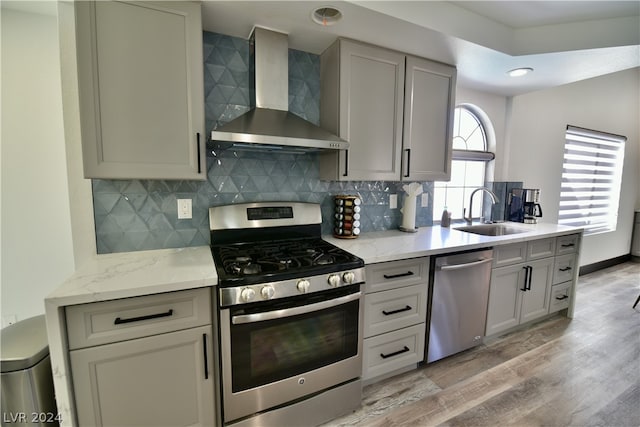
(493, 197)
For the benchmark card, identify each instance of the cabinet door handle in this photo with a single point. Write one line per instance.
(565, 269)
(562, 297)
(526, 278)
(346, 163)
(530, 277)
(206, 363)
(395, 276)
(395, 353)
(120, 321)
(400, 310)
(198, 143)
(408, 150)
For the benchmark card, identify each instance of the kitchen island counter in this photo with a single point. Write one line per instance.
(392, 245)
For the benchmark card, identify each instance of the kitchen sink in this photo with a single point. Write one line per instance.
(492, 229)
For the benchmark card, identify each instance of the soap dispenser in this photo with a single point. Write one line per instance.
(445, 221)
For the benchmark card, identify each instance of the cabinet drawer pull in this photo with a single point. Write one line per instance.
(198, 143)
(206, 363)
(565, 269)
(395, 353)
(120, 321)
(408, 150)
(562, 297)
(567, 245)
(400, 310)
(346, 163)
(395, 276)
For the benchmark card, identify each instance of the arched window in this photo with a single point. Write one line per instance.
(468, 167)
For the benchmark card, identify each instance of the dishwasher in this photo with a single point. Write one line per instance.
(460, 293)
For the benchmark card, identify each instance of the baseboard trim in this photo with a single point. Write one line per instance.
(586, 269)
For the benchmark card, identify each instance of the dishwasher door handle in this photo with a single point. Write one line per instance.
(463, 266)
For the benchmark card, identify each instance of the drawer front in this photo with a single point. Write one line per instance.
(509, 254)
(560, 296)
(564, 268)
(567, 244)
(392, 351)
(541, 248)
(124, 319)
(395, 309)
(395, 274)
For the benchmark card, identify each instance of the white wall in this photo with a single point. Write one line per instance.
(538, 122)
(37, 251)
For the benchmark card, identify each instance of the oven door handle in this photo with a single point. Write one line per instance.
(288, 312)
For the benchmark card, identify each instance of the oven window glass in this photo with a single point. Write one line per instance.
(267, 351)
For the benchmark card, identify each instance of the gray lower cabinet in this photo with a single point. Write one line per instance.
(395, 310)
(511, 302)
(141, 89)
(519, 291)
(395, 110)
(156, 366)
(530, 280)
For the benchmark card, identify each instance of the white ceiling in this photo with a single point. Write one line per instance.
(564, 41)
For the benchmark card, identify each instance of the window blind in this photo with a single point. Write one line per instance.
(591, 177)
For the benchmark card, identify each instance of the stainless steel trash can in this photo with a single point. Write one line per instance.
(27, 383)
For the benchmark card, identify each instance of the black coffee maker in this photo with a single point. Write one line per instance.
(523, 205)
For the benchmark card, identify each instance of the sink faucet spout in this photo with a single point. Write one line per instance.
(494, 199)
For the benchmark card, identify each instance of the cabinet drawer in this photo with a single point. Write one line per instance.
(124, 319)
(395, 309)
(560, 296)
(564, 268)
(567, 244)
(541, 248)
(394, 274)
(509, 254)
(392, 351)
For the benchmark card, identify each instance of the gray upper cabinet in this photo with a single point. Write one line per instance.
(428, 120)
(140, 81)
(396, 111)
(362, 96)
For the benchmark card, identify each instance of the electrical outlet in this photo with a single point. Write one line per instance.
(9, 320)
(393, 201)
(184, 209)
(424, 201)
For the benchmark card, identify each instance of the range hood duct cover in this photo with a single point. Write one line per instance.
(270, 123)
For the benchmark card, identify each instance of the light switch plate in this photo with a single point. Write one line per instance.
(424, 201)
(393, 201)
(184, 209)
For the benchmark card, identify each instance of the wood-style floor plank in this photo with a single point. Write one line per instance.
(560, 372)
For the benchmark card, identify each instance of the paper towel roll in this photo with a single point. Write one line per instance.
(409, 212)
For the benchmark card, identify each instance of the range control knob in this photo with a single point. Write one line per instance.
(334, 280)
(247, 294)
(303, 286)
(349, 277)
(267, 292)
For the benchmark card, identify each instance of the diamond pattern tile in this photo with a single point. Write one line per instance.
(142, 214)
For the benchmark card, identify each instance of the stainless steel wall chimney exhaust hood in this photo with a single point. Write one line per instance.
(270, 123)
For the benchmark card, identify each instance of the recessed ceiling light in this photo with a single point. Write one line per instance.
(326, 16)
(517, 72)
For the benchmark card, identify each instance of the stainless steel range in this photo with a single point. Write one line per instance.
(290, 316)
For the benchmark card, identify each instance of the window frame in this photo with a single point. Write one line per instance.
(473, 155)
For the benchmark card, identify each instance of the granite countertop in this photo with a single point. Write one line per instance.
(391, 245)
(129, 274)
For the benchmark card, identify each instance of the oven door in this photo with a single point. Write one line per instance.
(274, 353)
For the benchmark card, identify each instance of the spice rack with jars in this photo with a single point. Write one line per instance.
(347, 217)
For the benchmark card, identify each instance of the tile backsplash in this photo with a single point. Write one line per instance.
(133, 215)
